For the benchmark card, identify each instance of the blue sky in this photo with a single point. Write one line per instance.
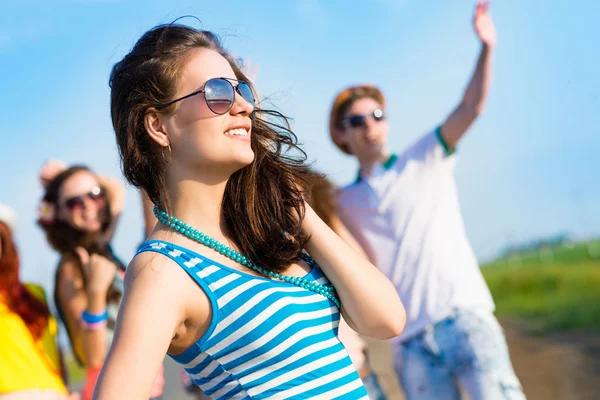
(526, 167)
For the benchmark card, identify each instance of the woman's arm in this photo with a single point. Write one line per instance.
(370, 303)
(115, 194)
(49, 170)
(90, 345)
(340, 229)
(154, 306)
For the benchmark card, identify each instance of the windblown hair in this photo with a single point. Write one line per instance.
(263, 206)
(322, 196)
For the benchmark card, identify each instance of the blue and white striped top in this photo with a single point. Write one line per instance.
(267, 338)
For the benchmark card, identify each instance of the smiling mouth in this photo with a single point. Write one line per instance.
(90, 217)
(238, 133)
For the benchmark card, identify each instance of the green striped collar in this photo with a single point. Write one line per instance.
(386, 165)
(447, 149)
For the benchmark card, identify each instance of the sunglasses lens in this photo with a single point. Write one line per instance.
(378, 115)
(74, 203)
(97, 193)
(356, 121)
(244, 90)
(219, 95)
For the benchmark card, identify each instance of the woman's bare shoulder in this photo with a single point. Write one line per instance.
(151, 272)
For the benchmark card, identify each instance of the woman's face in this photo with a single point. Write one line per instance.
(200, 139)
(82, 201)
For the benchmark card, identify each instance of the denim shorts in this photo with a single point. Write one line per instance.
(373, 387)
(465, 351)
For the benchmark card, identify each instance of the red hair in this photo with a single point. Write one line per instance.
(32, 310)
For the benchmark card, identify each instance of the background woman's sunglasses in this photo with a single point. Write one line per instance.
(97, 194)
(358, 121)
(219, 94)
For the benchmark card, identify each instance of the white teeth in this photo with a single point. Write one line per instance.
(237, 132)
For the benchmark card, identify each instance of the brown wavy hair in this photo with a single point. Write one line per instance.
(263, 205)
(33, 311)
(322, 196)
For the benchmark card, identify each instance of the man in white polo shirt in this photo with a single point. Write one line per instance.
(404, 210)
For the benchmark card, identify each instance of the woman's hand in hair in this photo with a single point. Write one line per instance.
(370, 303)
(115, 190)
(50, 169)
(99, 272)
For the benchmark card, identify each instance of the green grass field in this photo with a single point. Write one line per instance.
(556, 288)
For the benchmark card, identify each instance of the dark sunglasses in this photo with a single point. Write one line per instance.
(219, 94)
(96, 194)
(358, 121)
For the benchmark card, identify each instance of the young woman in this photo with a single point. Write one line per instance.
(223, 284)
(28, 332)
(79, 213)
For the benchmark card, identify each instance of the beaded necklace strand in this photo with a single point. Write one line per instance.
(197, 236)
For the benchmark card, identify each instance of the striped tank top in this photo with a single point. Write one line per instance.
(267, 338)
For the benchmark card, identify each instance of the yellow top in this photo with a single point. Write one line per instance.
(27, 364)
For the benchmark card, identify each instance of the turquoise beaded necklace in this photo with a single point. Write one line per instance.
(197, 236)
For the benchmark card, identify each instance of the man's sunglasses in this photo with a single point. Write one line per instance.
(358, 121)
(219, 94)
(96, 194)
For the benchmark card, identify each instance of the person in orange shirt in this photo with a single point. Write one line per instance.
(30, 365)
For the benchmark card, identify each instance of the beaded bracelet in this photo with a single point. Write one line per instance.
(93, 318)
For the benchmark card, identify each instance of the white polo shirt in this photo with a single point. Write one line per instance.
(407, 217)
